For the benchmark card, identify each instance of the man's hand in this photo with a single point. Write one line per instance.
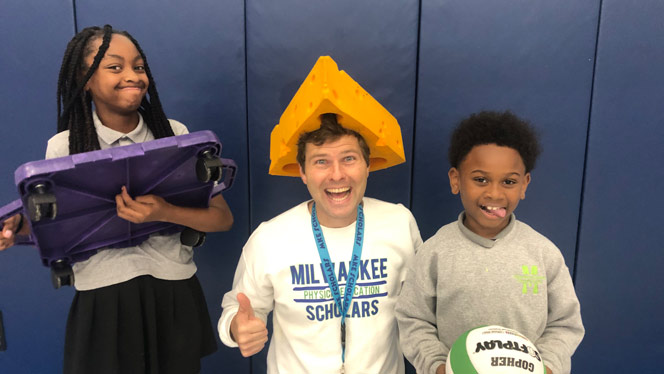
(148, 208)
(248, 331)
(9, 227)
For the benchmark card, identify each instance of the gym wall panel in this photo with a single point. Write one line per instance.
(196, 54)
(534, 58)
(619, 277)
(373, 41)
(31, 33)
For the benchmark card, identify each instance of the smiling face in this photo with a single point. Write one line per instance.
(336, 176)
(120, 82)
(491, 180)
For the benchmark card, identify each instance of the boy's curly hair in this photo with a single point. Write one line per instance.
(500, 128)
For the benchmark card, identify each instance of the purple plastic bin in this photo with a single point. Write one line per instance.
(79, 191)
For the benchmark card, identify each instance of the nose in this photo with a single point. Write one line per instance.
(131, 75)
(337, 172)
(492, 191)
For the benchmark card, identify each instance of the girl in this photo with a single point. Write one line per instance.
(138, 309)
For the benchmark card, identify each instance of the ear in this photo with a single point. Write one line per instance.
(526, 182)
(453, 174)
(302, 175)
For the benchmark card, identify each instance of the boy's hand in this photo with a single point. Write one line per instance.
(248, 331)
(9, 227)
(441, 369)
(148, 208)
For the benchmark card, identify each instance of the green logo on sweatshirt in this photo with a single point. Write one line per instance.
(529, 279)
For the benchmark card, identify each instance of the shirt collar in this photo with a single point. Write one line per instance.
(485, 242)
(110, 136)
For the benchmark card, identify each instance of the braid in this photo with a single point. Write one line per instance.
(74, 104)
(151, 110)
(90, 140)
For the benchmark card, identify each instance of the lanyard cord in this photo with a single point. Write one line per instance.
(328, 272)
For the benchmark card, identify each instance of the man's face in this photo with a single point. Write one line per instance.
(491, 180)
(336, 176)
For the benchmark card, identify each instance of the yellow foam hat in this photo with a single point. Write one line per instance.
(329, 90)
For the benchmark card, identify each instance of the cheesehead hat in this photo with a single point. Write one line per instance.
(329, 90)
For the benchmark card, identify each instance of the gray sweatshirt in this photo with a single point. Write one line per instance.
(459, 280)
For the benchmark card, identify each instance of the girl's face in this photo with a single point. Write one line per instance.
(120, 82)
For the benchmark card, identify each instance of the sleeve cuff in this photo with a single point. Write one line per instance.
(224, 327)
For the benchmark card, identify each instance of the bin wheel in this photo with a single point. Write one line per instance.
(41, 204)
(215, 174)
(61, 274)
(208, 167)
(191, 237)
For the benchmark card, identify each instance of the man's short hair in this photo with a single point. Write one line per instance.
(330, 130)
(500, 128)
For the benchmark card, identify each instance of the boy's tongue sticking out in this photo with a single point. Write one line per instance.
(499, 212)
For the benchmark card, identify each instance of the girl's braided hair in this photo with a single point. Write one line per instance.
(75, 104)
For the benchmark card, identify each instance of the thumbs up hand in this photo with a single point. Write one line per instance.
(248, 331)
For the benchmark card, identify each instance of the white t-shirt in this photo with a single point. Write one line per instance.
(280, 271)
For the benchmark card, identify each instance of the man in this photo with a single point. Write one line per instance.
(300, 263)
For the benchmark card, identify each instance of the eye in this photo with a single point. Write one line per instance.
(139, 68)
(320, 161)
(480, 180)
(510, 182)
(349, 158)
(114, 68)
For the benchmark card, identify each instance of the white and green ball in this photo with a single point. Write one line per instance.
(493, 350)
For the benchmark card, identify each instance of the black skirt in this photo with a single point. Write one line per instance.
(142, 326)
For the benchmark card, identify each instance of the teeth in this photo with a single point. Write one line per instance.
(492, 207)
(338, 190)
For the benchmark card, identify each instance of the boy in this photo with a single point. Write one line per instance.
(488, 268)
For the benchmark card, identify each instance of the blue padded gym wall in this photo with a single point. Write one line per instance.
(430, 63)
(196, 54)
(534, 58)
(373, 41)
(619, 272)
(33, 35)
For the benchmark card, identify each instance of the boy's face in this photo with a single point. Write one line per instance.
(491, 180)
(120, 82)
(336, 175)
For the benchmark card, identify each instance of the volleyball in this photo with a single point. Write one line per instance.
(493, 350)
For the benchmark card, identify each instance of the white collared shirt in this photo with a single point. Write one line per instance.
(58, 145)
(161, 256)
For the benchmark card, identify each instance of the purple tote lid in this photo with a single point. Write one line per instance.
(85, 185)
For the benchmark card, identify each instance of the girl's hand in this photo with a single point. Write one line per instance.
(148, 208)
(8, 236)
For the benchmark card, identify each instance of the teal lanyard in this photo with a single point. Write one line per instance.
(328, 272)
